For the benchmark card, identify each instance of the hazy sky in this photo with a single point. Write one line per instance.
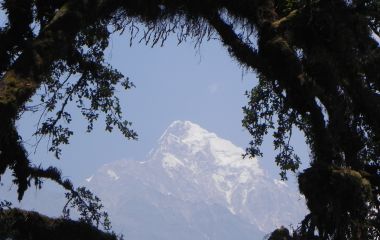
(175, 82)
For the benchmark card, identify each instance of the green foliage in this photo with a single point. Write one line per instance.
(326, 85)
(89, 208)
(85, 79)
(317, 62)
(75, 72)
(264, 110)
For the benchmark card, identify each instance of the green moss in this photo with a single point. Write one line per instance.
(337, 197)
(15, 89)
(284, 20)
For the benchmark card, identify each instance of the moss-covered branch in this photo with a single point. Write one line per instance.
(18, 224)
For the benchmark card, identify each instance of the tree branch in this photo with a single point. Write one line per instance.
(240, 50)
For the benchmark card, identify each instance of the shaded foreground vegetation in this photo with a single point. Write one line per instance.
(317, 63)
(17, 224)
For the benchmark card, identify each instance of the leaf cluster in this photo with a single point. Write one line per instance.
(88, 206)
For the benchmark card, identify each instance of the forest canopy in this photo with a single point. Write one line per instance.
(316, 61)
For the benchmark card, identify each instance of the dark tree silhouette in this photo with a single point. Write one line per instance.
(17, 224)
(316, 61)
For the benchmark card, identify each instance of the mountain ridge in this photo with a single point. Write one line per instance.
(192, 170)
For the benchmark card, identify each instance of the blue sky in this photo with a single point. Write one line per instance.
(175, 82)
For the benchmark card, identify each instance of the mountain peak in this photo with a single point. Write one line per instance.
(187, 140)
(183, 123)
(186, 132)
(183, 129)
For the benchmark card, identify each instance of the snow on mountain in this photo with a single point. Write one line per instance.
(195, 185)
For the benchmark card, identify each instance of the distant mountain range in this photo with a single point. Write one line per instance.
(195, 185)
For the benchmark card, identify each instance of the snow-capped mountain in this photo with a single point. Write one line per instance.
(195, 185)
